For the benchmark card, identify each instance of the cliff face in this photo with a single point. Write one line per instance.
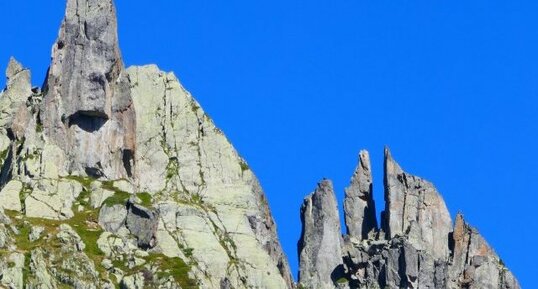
(116, 177)
(87, 106)
(416, 245)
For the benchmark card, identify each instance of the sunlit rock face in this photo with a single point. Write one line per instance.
(416, 245)
(117, 178)
(320, 243)
(359, 205)
(87, 109)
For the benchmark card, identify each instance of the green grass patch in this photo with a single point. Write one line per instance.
(167, 267)
(172, 168)
(84, 181)
(22, 239)
(83, 199)
(109, 185)
(174, 267)
(196, 199)
(26, 268)
(89, 234)
(3, 155)
(119, 198)
(145, 198)
(188, 252)
(244, 166)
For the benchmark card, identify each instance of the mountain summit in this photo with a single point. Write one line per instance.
(416, 245)
(114, 177)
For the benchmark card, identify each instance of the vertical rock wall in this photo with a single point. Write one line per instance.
(87, 109)
(359, 205)
(319, 246)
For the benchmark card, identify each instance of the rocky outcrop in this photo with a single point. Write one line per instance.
(14, 116)
(134, 166)
(208, 199)
(142, 223)
(319, 247)
(416, 246)
(10, 196)
(414, 208)
(87, 109)
(359, 206)
(114, 177)
(474, 263)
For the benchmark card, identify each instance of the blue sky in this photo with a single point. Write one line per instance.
(300, 87)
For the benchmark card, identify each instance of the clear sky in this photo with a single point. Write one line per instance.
(299, 87)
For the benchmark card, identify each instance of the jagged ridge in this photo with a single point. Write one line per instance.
(415, 247)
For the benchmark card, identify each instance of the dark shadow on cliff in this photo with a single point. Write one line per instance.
(88, 122)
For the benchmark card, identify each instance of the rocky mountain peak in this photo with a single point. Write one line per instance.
(359, 205)
(414, 208)
(117, 178)
(416, 246)
(13, 68)
(87, 109)
(320, 244)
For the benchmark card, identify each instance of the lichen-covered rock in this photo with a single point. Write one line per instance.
(13, 99)
(10, 196)
(70, 149)
(133, 282)
(99, 195)
(14, 116)
(213, 200)
(118, 178)
(12, 271)
(112, 218)
(35, 233)
(52, 199)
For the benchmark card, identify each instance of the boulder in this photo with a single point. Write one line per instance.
(10, 196)
(112, 218)
(142, 223)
